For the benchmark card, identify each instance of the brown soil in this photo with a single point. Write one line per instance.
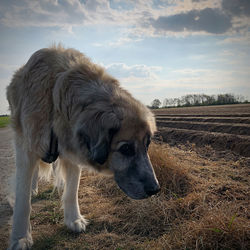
(221, 110)
(229, 128)
(222, 127)
(220, 119)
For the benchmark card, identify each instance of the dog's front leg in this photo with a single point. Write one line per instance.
(21, 230)
(72, 216)
(34, 189)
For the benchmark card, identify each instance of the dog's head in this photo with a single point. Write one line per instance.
(118, 140)
(130, 162)
(113, 127)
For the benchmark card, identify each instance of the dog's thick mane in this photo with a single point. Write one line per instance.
(68, 75)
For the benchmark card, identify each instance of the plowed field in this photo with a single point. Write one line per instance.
(224, 127)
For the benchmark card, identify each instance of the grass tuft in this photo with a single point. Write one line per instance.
(4, 121)
(174, 180)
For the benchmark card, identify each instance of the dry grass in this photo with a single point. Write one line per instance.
(203, 204)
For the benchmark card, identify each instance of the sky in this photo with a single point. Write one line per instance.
(155, 48)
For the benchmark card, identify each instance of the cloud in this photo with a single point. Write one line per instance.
(185, 81)
(236, 7)
(242, 39)
(139, 18)
(192, 72)
(121, 70)
(123, 40)
(55, 13)
(142, 79)
(208, 20)
(239, 12)
(44, 13)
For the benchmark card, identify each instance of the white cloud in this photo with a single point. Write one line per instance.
(191, 72)
(210, 20)
(147, 89)
(240, 39)
(44, 13)
(123, 40)
(121, 70)
(186, 80)
(142, 18)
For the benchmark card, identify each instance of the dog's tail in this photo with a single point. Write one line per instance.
(45, 171)
(59, 176)
(56, 171)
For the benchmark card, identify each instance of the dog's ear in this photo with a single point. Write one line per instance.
(100, 150)
(97, 133)
(62, 96)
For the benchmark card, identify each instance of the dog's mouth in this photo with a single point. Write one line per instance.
(138, 190)
(136, 194)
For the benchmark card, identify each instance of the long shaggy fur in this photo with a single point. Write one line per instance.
(98, 124)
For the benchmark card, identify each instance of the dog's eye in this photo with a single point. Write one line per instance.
(127, 149)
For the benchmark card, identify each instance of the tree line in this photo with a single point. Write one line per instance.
(198, 100)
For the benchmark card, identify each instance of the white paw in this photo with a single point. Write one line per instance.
(21, 244)
(77, 225)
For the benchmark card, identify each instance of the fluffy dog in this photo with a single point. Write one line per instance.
(64, 106)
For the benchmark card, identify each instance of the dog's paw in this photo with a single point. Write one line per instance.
(21, 244)
(78, 225)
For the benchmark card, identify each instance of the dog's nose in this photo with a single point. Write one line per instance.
(153, 191)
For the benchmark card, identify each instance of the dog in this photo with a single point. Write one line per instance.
(67, 109)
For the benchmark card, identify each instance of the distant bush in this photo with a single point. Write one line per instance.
(4, 121)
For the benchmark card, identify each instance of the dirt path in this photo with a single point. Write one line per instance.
(7, 160)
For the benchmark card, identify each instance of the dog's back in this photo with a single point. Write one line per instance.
(30, 93)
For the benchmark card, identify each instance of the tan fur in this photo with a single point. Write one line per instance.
(63, 89)
(31, 91)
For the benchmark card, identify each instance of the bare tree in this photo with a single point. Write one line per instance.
(156, 103)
